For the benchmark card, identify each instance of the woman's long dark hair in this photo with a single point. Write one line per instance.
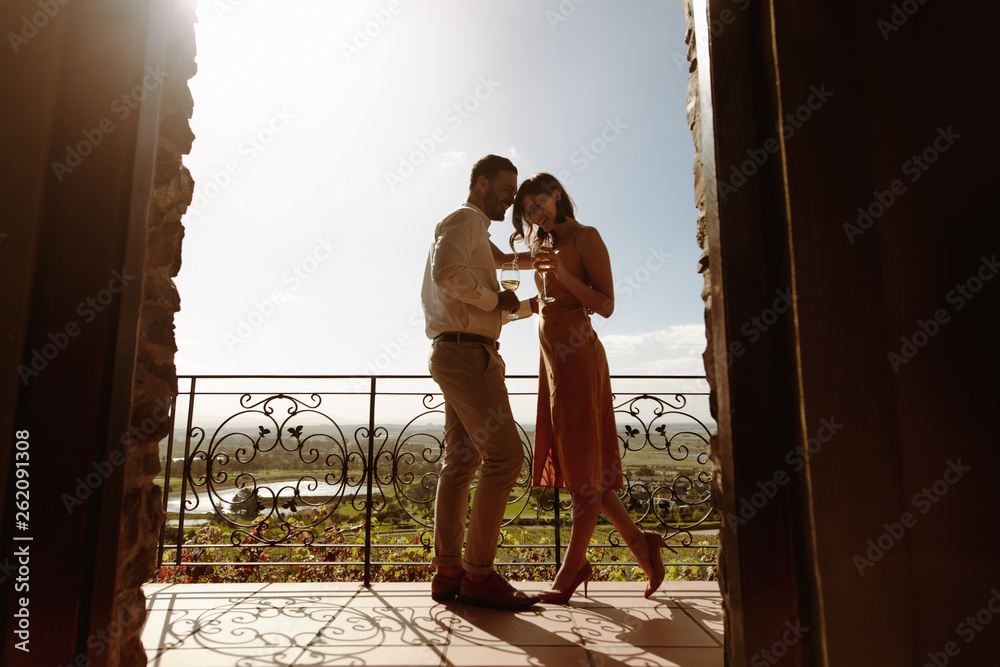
(539, 184)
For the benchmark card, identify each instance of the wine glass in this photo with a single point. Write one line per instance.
(510, 278)
(540, 245)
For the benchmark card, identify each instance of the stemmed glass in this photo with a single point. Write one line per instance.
(510, 278)
(540, 245)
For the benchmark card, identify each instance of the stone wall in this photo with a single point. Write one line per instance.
(155, 381)
(694, 123)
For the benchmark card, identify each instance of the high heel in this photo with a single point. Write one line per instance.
(654, 542)
(556, 596)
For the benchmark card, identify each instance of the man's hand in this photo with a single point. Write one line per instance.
(507, 301)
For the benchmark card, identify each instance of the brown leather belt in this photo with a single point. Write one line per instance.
(458, 337)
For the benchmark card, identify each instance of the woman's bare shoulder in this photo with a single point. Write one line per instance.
(587, 237)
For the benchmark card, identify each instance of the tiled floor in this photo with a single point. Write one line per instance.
(279, 625)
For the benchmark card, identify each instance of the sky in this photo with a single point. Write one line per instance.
(331, 137)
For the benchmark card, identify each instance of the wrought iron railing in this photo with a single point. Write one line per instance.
(286, 462)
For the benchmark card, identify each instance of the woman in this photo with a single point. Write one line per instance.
(576, 439)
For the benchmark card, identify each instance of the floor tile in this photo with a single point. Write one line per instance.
(319, 586)
(395, 624)
(387, 626)
(236, 626)
(182, 600)
(664, 626)
(209, 589)
(542, 625)
(635, 600)
(516, 656)
(152, 588)
(708, 618)
(637, 656)
(692, 588)
(398, 598)
(372, 656)
(244, 657)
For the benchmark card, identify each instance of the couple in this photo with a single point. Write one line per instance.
(576, 441)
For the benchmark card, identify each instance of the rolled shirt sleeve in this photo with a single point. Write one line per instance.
(460, 286)
(451, 259)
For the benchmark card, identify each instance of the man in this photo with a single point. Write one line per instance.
(463, 306)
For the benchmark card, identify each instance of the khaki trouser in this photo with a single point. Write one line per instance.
(478, 428)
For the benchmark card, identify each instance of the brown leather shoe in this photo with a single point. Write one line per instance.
(495, 592)
(445, 588)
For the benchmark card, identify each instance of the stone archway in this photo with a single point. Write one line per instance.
(793, 564)
(155, 377)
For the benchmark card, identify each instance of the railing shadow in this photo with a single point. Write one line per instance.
(288, 624)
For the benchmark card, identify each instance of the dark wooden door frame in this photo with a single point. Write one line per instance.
(79, 235)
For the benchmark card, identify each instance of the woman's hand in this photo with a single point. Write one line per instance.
(547, 259)
(558, 268)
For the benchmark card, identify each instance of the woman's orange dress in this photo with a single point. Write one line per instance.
(576, 440)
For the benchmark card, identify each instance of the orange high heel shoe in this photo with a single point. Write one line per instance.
(654, 542)
(562, 597)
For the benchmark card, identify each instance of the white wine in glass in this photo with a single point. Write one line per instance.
(510, 279)
(543, 244)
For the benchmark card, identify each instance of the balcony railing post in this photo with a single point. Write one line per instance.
(558, 525)
(186, 473)
(369, 474)
(166, 479)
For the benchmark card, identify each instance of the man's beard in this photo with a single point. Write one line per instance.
(493, 209)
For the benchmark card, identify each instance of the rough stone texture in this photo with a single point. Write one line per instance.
(694, 123)
(155, 382)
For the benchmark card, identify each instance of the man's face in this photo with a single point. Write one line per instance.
(500, 195)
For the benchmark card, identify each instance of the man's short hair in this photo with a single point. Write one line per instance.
(489, 167)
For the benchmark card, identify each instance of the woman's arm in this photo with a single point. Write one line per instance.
(599, 296)
(500, 258)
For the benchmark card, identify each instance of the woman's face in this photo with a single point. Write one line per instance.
(540, 210)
